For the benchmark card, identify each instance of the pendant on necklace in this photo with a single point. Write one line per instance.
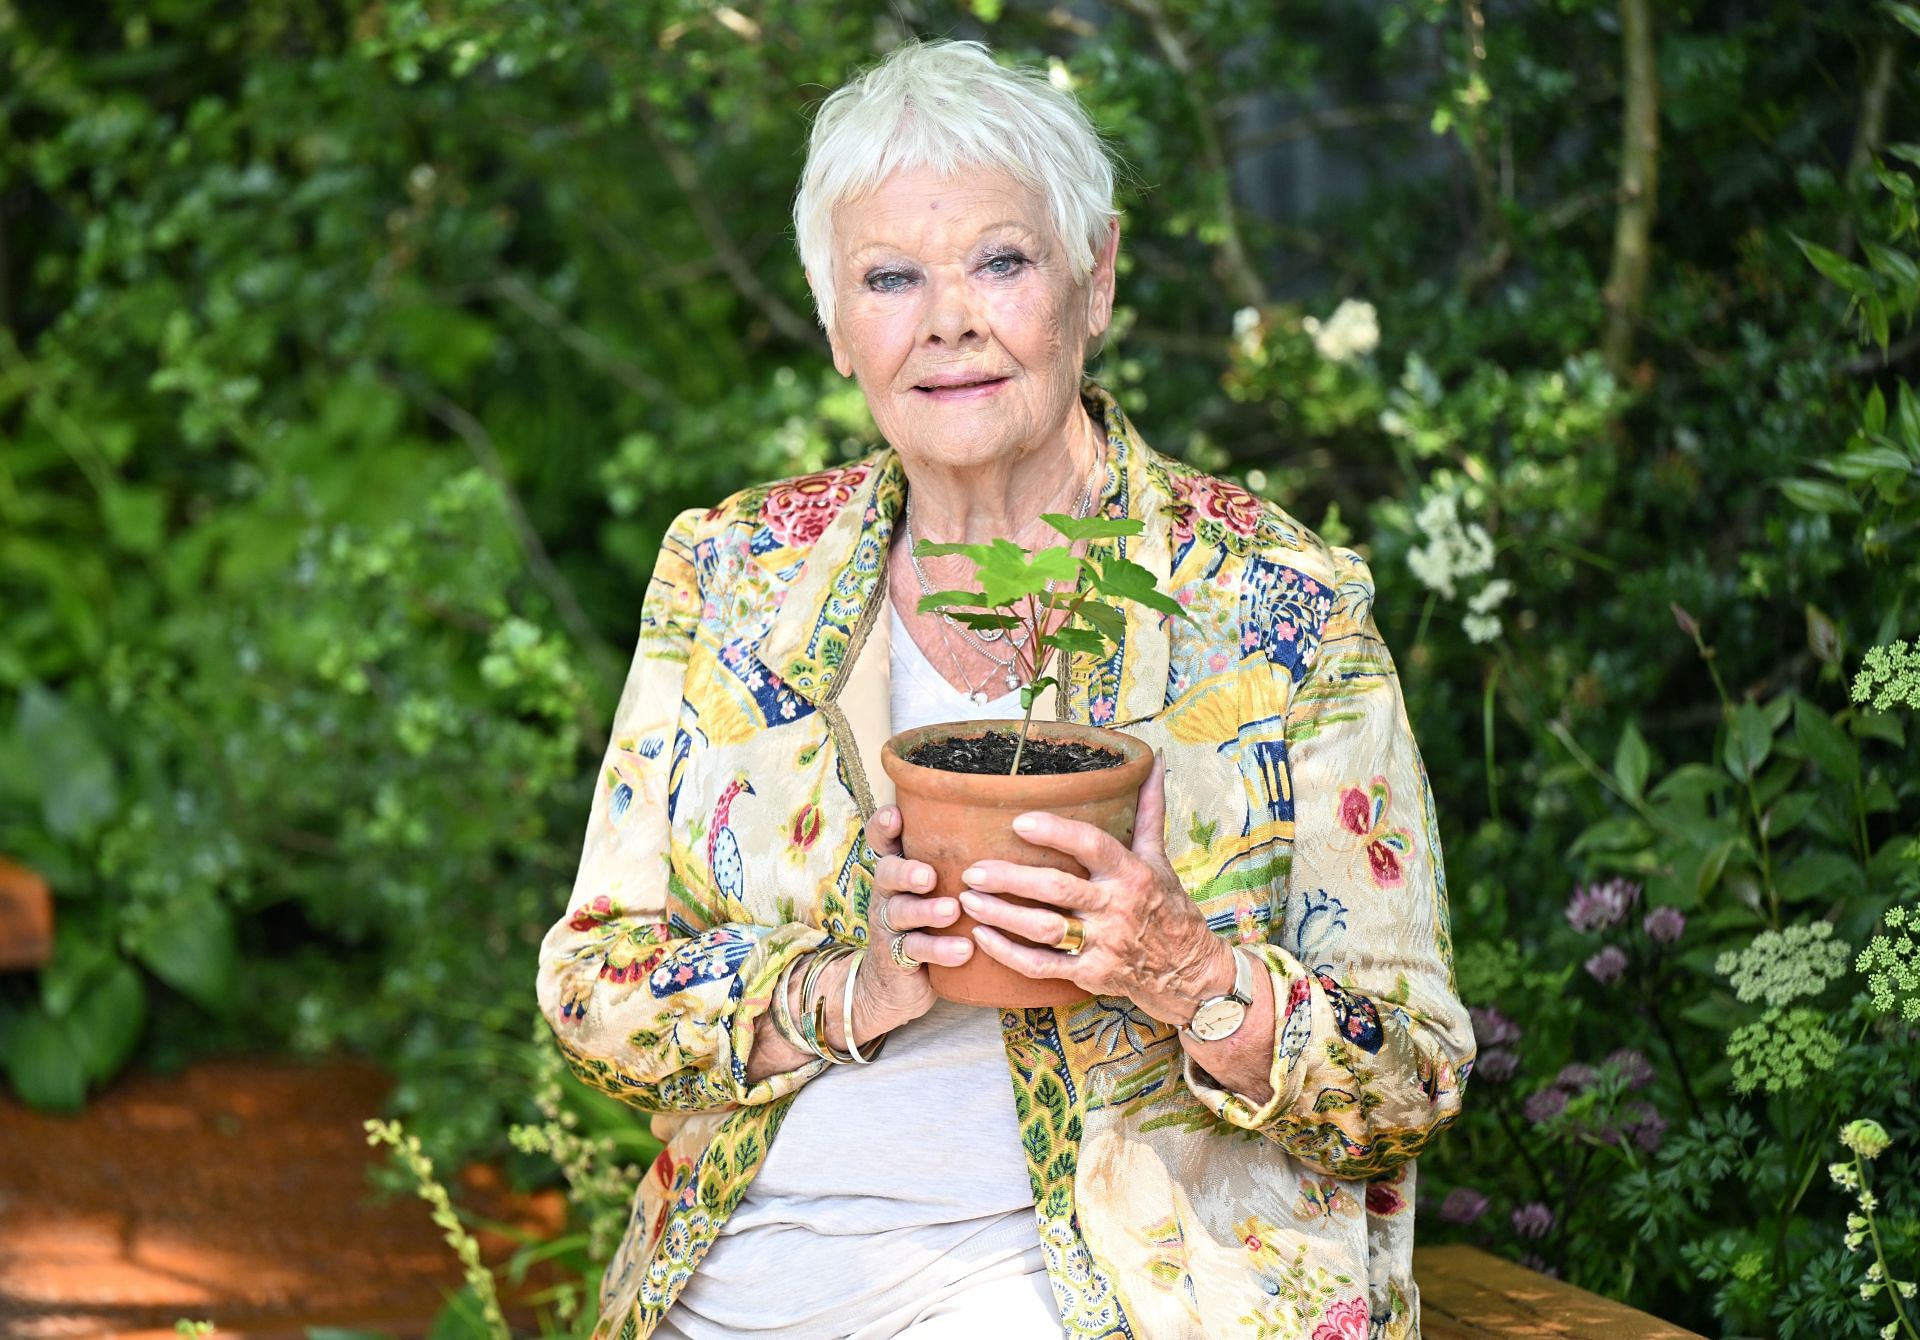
(1013, 681)
(978, 697)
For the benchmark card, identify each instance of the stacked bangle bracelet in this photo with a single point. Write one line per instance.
(809, 1033)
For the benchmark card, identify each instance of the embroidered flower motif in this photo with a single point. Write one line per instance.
(1345, 1320)
(1384, 1200)
(799, 510)
(1215, 500)
(1363, 813)
(806, 827)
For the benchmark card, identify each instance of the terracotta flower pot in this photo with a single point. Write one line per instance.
(952, 819)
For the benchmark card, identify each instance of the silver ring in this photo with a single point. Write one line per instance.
(898, 953)
(886, 924)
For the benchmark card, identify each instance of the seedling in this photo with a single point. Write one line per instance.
(1014, 594)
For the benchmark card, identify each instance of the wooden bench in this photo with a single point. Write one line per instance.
(1466, 1293)
(26, 918)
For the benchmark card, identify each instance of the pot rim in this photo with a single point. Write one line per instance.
(1027, 790)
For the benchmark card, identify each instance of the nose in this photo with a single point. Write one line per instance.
(952, 316)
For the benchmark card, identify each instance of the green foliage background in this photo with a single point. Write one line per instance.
(352, 358)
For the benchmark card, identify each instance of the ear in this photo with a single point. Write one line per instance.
(841, 363)
(1100, 285)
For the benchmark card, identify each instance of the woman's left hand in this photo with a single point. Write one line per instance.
(1144, 937)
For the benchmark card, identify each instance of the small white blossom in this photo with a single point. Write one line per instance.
(1481, 627)
(1453, 549)
(1353, 331)
(1490, 596)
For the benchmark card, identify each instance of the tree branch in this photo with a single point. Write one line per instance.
(1235, 267)
(686, 175)
(582, 341)
(1871, 129)
(1626, 288)
(1330, 118)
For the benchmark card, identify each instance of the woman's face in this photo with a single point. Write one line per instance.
(958, 314)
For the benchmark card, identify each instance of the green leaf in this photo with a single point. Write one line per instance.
(74, 771)
(1123, 579)
(1690, 784)
(1895, 265)
(1713, 864)
(1092, 527)
(1866, 462)
(136, 517)
(1749, 741)
(41, 1061)
(1907, 417)
(1632, 761)
(1823, 635)
(1836, 267)
(81, 954)
(1907, 153)
(979, 553)
(1104, 619)
(1822, 741)
(1819, 874)
(107, 1021)
(1621, 833)
(1874, 414)
(1077, 640)
(1818, 495)
(1906, 14)
(190, 946)
(1786, 813)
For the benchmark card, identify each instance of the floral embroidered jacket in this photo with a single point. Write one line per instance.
(725, 839)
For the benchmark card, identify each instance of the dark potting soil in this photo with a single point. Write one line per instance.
(993, 753)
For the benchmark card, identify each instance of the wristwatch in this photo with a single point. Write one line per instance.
(1219, 1016)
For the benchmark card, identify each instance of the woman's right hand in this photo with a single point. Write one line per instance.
(887, 994)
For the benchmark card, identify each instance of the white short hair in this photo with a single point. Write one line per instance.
(947, 106)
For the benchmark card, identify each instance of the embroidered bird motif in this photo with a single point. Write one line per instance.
(723, 848)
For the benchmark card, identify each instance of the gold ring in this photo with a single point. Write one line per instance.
(1073, 937)
(898, 953)
(885, 924)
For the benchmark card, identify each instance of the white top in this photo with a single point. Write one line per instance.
(900, 1178)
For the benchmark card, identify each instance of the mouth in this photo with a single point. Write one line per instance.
(962, 390)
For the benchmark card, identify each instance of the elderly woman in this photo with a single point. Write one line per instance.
(1218, 1140)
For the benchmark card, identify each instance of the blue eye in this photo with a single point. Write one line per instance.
(1006, 263)
(882, 281)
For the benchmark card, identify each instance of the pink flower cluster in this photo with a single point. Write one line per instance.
(1599, 907)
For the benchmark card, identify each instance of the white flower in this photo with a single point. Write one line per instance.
(1452, 550)
(1481, 627)
(1490, 596)
(1353, 331)
(1245, 322)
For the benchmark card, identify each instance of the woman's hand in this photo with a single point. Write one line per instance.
(1144, 937)
(888, 995)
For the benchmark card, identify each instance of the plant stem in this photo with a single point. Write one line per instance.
(1880, 1255)
(1486, 731)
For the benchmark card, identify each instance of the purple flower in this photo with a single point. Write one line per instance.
(1649, 1131)
(1492, 1028)
(1632, 1065)
(1606, 966)
(1598, 907)
(1532, 1220)
(1545, 1104)
(1664, 924)
(1463, 1205)
(1497, 1065)
(1576, 1076)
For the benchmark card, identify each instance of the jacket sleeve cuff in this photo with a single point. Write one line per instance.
(1296, 1003)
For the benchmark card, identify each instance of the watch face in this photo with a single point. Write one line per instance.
(1218, 1018)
